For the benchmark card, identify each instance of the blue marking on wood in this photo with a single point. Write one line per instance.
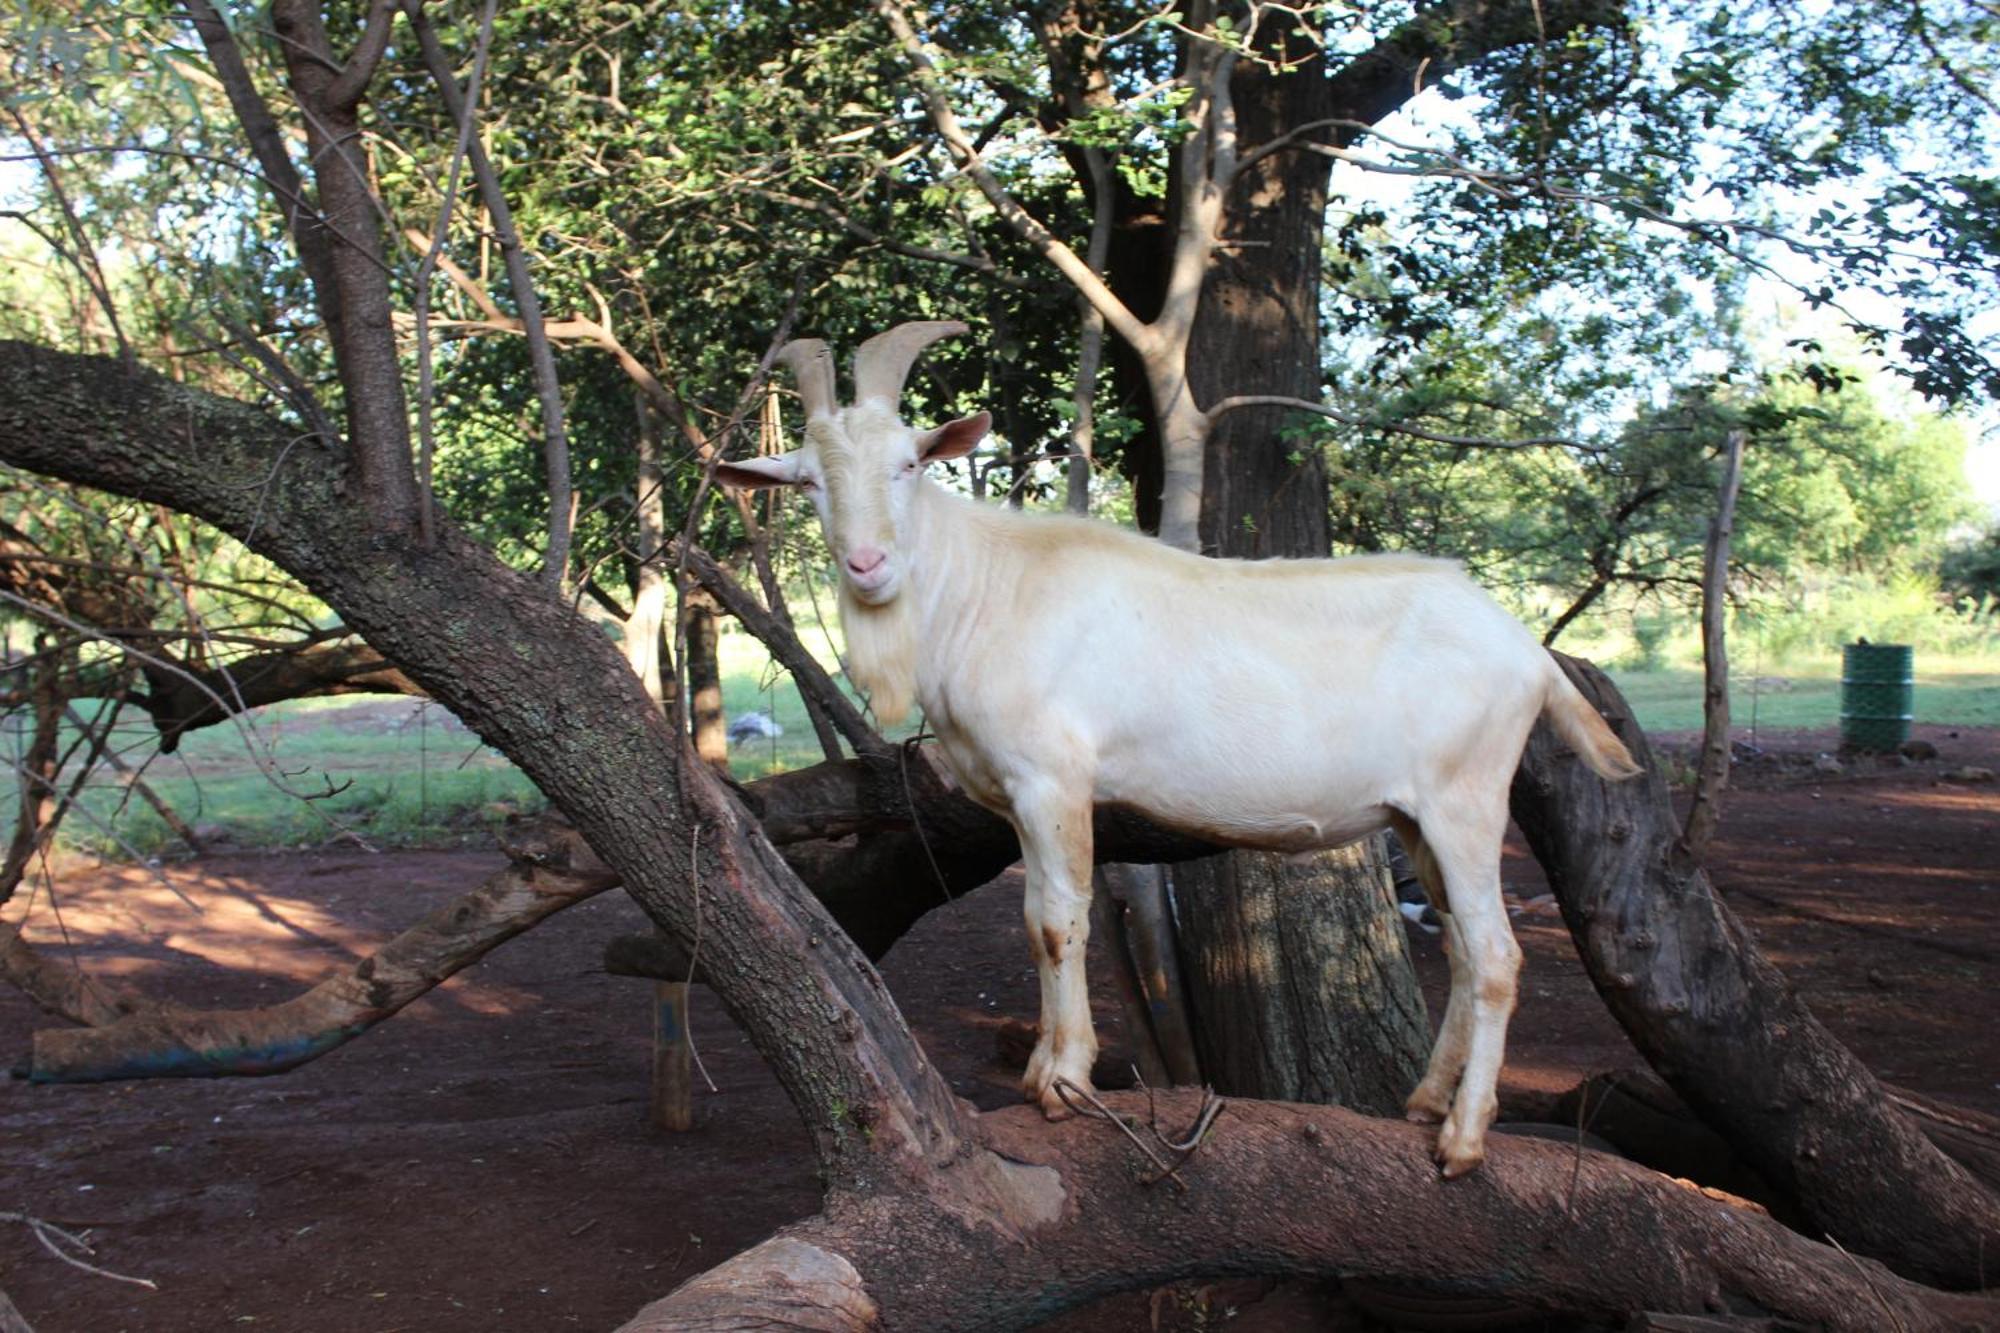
(273, 1057)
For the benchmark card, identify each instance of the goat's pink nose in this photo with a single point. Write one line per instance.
(865, 560)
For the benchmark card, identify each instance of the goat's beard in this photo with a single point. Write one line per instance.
(881, 652)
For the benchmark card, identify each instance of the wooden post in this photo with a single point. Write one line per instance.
(673, 1085)
(1712, 775)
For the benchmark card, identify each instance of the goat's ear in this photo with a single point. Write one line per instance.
(954, 439)
(755, 473)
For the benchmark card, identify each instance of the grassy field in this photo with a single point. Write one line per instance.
(1964, 693)
(389, 771)
(399, 771)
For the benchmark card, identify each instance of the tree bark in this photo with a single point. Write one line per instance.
(1257, 331)
(707, 725)
(1720, 1024)
(364, 339)
(1299, 978)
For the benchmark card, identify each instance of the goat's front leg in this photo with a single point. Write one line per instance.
(1054, 826)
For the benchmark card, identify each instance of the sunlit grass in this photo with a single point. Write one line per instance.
(391, 772)
(1951, 693)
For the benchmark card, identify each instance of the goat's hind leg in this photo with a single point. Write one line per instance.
(1464, 853)
(1431, 1102)
(1054, 826)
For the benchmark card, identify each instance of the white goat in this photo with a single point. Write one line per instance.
(1064, 663)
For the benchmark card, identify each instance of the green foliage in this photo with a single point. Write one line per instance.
(1970, 572)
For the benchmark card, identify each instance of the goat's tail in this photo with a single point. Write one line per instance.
(1584, 731)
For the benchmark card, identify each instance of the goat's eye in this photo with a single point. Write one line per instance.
(908, 469)
(808, 483)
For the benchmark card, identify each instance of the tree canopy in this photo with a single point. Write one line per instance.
(366, 343)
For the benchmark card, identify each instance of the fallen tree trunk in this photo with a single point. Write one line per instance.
(1720, 1024)
(1539, 1223)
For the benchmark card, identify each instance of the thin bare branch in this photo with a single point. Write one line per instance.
(1396, 428)
(426, 386)
(548, 389)
(930, 85)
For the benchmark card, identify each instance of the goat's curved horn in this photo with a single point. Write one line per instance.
(883, 362)
(812, 364)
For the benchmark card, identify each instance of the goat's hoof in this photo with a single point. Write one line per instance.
(1054, 1108)
(1457, 1153)
(1426, 1109)
(1452, 1167)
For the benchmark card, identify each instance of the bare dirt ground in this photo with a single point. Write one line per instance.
(482, 1161)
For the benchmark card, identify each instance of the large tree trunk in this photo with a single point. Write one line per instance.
(1298, 968)
(1257, 330)
(1299, 979)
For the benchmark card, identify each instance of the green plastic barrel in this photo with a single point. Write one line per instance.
(1877, 695)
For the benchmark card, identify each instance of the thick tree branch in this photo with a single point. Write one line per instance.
(185, 701)
(364, 341)
(1442, 39)
(1721, 1025)
(1539, 1223)
(348, 88)
(1235, 402)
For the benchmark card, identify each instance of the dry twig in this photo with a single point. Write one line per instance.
(48, 1233)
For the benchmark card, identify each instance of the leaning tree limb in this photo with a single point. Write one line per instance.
(1721, 1025)
(1712, 773)
(766, 627)
(548, 873)
(538, 682)
(186, 700)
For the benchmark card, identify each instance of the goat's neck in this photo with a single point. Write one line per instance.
(894, 652)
